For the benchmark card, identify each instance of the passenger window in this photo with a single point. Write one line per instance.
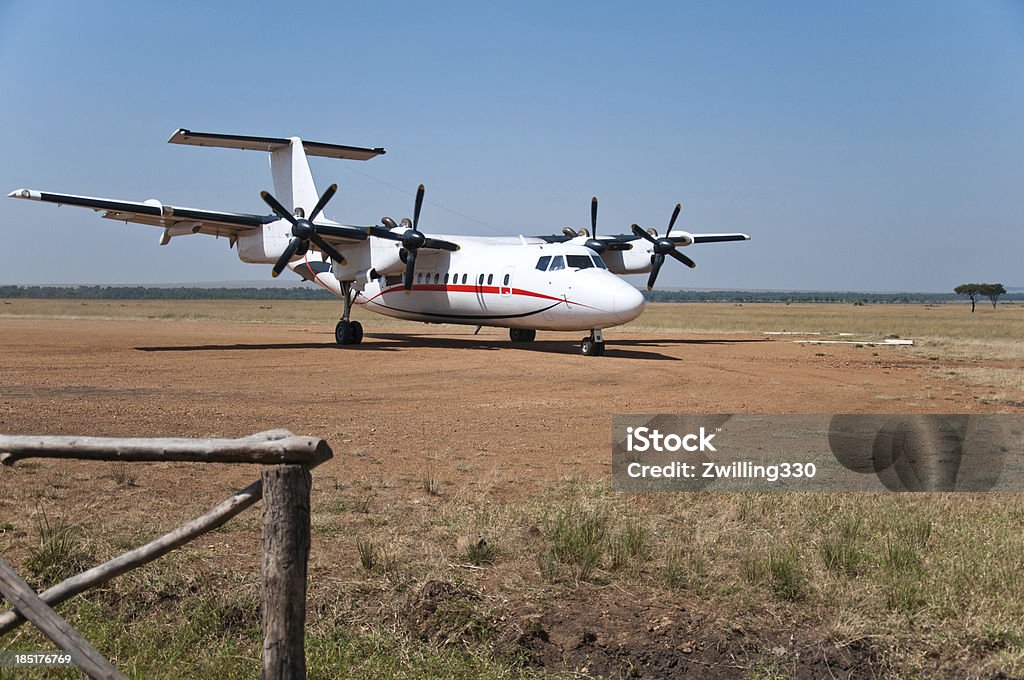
(419, 278)
(480, 280)
(437, 277)
(557, 263)
(599, 263)
(446, 277)
(505, 283)
(542, 263)
(579, 261)
(463, 278)
(490, 279)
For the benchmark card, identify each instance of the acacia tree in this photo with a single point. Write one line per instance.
(992, 291)
(972, 290)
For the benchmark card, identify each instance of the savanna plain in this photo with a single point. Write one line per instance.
(466, 526)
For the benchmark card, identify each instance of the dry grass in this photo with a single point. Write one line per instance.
(941, 322)
(238, 311)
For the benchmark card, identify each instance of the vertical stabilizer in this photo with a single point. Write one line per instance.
(293, 182)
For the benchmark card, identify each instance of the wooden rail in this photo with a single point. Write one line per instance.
(285, 488)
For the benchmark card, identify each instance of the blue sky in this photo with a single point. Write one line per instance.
(866, 146)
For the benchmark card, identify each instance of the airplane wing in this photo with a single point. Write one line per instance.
(175, 220)
(626, 238)
(718, 238)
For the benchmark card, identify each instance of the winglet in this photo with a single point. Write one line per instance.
(25, 193)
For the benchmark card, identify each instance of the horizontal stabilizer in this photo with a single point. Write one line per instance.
(270, 144)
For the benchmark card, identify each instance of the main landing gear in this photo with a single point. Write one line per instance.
(348, 332)
(593, 344)
(522, 334)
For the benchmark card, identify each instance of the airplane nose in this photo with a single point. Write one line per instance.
(627, 303)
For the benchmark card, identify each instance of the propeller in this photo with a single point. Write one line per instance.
(663, 246)
(412, 239)
(304, 230)
(593, 242)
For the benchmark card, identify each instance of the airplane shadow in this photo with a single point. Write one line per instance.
(622, 349)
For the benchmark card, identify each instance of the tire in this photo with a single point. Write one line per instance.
(589, 348)
(343, 334)
(357, 333)
(522, 334)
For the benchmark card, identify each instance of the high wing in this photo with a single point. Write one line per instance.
(626, 238)
(717, 238)
(175, 220)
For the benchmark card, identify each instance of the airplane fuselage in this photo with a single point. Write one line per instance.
(548, 286)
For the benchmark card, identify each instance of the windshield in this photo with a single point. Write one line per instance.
(579, 261)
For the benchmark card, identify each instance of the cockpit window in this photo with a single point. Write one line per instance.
(556, 263)
(599, 263)
(579, 261)
(542, 263)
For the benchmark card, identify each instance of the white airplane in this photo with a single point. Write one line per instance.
(562, 282)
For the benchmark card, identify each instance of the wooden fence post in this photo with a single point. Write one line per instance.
(24, 599)
(286, 538)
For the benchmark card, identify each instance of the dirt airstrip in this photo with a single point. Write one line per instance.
(481, 415)
(439, 391)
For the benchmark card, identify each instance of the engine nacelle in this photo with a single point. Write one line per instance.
(385, 257)
(634, 261)
(266, 244)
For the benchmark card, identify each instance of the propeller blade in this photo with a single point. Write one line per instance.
(682, 258)
(286, 256)
(410, 267)
(659, 260)
(277, 207)
(643, 234)
(438, 244)
(672, 222)
(328, 248)
(419, 204)
(593, 216)
(323, 201)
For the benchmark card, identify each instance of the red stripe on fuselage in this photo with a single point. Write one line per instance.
(473, 288)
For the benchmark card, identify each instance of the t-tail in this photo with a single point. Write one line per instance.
(293, 182)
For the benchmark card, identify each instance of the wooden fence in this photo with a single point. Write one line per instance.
(285, 488)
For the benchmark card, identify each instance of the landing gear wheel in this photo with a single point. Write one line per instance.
(522, 334)
(591, 348)
(348, 332)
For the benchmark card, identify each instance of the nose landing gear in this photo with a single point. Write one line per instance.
(593, 344)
